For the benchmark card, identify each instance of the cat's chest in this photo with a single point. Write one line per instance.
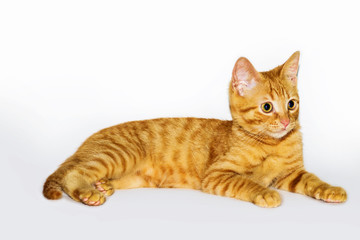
(273, 165)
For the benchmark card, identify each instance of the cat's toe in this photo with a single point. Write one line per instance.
(330, 194)
(268, 199)
(92, 197)
(105, 187)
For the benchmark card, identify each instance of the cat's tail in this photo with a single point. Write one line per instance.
(52, 186)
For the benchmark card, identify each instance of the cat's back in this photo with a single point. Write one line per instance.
(175, 131)
(163, 133)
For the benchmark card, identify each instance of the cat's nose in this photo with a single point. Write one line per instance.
(285, 122)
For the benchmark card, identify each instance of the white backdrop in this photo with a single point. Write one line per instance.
(70, 68)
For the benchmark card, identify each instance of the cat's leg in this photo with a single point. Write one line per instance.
(81, 175)
(81, 188)
(108, 186)
(128, 182)
(230, 184)
(303, 182)
(76, 178)
(111, 163)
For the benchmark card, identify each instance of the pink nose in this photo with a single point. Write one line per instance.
(285, 122)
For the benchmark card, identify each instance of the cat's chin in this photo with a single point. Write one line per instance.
(278, 134)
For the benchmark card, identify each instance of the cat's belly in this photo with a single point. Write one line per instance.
(136, 181)
(164, 177)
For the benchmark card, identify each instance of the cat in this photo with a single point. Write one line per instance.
(247, 158)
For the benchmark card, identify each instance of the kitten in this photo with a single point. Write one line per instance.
(246, 158)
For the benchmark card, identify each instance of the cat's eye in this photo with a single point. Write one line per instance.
(266, 107)
(291, 105)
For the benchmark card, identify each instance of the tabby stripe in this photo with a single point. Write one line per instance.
(180, 138)
(116, 147)
(197, 130)
(221, 180)
(245, 110)
(113, 161)
(128, 140)
(138, 152)
(84, 173)
(319, 186)
(227, 184)
(180, 168)
(275, 90)
(296, 160)
(124, 149)
(91, 168)
(191, 165)
(102, 162)
(251, 121)
(279, 181)
(208, 181)
(139, 145)
(224, 180)
(188, 124)
(214, 184)
(254, 187)
(236, 163)
(121, 157)
(295, 181)
(284, 92)
(170, 170)
(110, 147)
(239, 184)
(218, 171)
(95, 171)
(128, 154)
(271, 91)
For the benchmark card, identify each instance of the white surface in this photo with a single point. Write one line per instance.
(70, 68)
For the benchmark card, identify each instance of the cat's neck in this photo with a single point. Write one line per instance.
(240, 134)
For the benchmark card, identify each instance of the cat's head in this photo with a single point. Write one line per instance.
(265, 103)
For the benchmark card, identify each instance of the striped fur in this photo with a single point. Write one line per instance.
(245, 158)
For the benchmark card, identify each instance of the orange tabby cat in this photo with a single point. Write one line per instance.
(260, 149)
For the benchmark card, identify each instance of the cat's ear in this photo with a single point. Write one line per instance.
(291, 67)
(244, 76)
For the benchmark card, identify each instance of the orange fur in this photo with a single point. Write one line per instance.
(244, 158)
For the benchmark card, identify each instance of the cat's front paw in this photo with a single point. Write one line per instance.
(330, 194)
(267, 198)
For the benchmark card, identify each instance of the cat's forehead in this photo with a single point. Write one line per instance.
(277, 89)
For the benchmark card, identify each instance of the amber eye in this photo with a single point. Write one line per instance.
(266, 107)
(291, 105)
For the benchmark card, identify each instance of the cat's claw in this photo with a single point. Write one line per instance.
(104, 187)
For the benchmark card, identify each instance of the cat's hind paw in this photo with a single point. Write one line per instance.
(92, 197)
(105, 187)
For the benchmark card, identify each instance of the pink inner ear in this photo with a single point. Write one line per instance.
(244, 76)
(293, 68)
(240, 86)
(292, 72)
